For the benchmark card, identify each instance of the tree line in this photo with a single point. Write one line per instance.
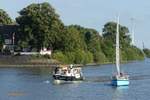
(41, 27)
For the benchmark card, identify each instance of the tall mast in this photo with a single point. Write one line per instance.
(117, 48)
(143, 50)
(132, 31)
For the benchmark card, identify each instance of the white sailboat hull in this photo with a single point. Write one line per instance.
(120, 82)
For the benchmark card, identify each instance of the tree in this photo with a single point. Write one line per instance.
(147, 52)
(109, 33)
(90, 40)
(4, 17)
(40, 26)
(128, 52)
(72, 39)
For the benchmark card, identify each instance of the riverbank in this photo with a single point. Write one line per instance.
(28, 61)
(35, 61)
(21, 66)
(25, 61)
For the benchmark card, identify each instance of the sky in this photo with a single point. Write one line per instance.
(95, 13)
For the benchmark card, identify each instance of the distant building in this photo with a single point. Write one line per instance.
(8, 32)
(45, 51)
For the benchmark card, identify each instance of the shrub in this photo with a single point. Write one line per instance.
(58, 55)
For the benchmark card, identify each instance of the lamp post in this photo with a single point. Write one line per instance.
(13, 42)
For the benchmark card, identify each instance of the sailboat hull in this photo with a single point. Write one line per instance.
(120, 82)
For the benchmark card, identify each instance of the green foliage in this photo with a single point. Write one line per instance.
(89, 40)
(58, 55)
(147, 52)
(99, 57)
(72, 39)
(70, 57)
(109, 31)
(80, 56)
(4, 18)
(77, 57)
(40, 26)
(108, 49)
(128, 52)
(88, 57)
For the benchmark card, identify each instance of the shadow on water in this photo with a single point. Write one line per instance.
(97, 79)
(101, 79)
(108, 78)
(140, 77)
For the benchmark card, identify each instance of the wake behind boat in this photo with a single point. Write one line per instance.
(67, 73)
(120, 79)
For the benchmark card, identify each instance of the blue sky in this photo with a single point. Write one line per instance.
(95, 13)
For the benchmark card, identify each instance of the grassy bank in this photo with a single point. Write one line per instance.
(38, 61)
(28, 61)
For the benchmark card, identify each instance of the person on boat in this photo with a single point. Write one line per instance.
(71, 70)
(121, 74)
(56, 70)
(68, 73)
(71, 66)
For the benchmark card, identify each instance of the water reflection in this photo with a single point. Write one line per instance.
(118, 92)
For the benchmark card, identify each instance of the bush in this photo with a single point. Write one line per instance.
(133, 53)
(79, 56)
(147, 52)
(82, 57)
(88, 57)
(70, 57)
(47, 56)
(60, 57)
(99, 57)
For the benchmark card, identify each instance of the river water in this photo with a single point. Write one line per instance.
(37, 84)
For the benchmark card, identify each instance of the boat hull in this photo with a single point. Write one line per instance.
(120, 82)
(67, 78)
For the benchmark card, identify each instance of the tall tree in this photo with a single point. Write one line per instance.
(128, 51)
(4, 17)
(147, 52)
(40, 26)
(109, 33)
(90, 40)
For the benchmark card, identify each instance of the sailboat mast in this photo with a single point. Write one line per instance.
(117, 48)
(132, 31)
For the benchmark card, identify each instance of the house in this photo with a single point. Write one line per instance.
(8, 32)
(45, 51)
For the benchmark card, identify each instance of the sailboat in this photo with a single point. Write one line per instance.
(119, 79)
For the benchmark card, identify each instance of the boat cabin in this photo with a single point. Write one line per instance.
(71, 73)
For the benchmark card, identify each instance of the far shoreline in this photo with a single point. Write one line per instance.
(48, 65)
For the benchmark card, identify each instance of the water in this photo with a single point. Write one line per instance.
(37, 84)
